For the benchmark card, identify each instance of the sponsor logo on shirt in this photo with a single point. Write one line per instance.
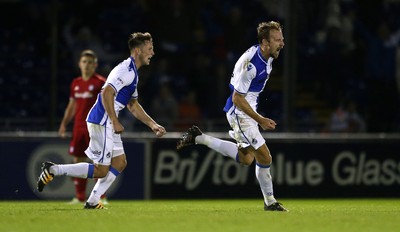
(86, 94)
(247, 65)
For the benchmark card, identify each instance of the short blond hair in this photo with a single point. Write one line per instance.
(264, 28)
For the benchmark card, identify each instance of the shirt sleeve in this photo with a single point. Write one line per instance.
(72, 90)
(245, 72)
(120, 81)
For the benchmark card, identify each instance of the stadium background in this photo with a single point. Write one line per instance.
(337, 52)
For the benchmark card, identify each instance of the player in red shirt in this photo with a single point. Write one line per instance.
(83, 94)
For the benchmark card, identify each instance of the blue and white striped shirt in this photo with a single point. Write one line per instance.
(250, 74)
(124, 79)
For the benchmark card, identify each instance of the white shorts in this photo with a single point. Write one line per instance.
(104, 143)
(245, 131)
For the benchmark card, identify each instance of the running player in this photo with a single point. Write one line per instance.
(106, 148)
(250, 74)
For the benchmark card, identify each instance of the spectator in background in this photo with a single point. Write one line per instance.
(380, 43)
(338, 121)
(235, 23)
(189, 111)
(356, 122)
(345, 119)
(83, 94)
(164, 107)
(79, 36)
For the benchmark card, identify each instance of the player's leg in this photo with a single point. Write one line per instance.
(118, 164)
(247, 133)
(117, 160)
(263, 174)
(80, 170)
(79, 143)
(195, 136)
(227, 148)
(84, 170)
(79, 184)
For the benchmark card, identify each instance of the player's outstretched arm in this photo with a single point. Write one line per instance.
(138, 112)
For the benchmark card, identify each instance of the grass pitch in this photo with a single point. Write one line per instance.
(381, 215)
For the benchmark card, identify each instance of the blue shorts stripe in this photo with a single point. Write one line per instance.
(240, 128)
(104, 144)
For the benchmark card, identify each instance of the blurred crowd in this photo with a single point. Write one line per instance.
(346, 53)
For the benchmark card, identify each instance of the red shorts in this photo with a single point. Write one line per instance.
(79, 142)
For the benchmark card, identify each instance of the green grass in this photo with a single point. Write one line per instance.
(381, 215)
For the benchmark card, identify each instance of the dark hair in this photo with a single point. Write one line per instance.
(137, 39)
(264, 28)
(89, 53)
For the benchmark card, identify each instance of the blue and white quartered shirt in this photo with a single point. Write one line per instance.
(250, 74)
(124, 79)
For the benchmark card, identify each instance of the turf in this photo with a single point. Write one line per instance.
(381, 215)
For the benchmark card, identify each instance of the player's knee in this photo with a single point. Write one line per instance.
(264, 159)
(244, 157)
(268, 160)
(100, 172)
(120, 165)
(246, 160)
(124, 163)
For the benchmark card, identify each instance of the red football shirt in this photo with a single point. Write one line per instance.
(85, 95)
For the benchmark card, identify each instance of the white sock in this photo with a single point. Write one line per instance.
(265, 180)
(101, 186)
(79, 170)
(224, 147)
